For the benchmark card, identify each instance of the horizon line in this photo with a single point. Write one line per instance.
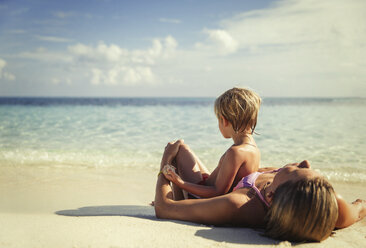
(19, 96)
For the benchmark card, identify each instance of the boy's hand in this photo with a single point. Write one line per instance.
(169, 173)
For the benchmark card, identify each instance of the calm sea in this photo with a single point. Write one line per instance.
(132, 132)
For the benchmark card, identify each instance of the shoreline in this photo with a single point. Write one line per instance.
(90, 207)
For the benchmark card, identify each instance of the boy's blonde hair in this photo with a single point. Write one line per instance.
(305, 210)
(240, 107)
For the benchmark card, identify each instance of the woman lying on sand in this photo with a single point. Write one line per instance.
(293, 203)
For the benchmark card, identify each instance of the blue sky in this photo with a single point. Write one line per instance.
(292, 48)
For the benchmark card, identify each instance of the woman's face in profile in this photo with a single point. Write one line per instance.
(303, 164)
(294, 172)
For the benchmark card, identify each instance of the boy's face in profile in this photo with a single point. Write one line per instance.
(223, 127)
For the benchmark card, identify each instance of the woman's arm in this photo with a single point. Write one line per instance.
(348, 214)
(214, 211)
(218, 210)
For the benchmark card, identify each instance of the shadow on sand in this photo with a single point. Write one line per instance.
(145, 212)
(236, 235)
(220, 234)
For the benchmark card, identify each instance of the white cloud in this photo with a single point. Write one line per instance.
(96, 76)
(43, 54)
(17, 31)
(111, 53)
(160, 49)
(295, 47)
(125, 75)
(19, 11)
(170, 45)
(63, 14)
(223, 40)
(291, 48)
(137, 74)
(57, 81)
(292, 22)
(53, 39)
(4, 74)
(105, 64)
(169, 20)
(73, 14)
(2, 64)
(207, 69)
(98, 54)
(113, 65)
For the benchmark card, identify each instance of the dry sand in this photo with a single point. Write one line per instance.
(91, 207)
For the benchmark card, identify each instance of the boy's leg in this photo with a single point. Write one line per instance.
(190, 168)
(203, 168)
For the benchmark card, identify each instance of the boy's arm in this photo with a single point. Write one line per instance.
(228, 169)
(348, 214)
(196, 189)
(204, 191)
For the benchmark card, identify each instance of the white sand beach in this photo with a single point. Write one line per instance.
(89, 207)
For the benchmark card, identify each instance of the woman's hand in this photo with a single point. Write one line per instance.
(348, 214)
(170, 152)
(362, 205)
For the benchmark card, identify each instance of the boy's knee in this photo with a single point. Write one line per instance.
(184, 148)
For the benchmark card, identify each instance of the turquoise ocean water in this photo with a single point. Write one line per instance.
(132, 132)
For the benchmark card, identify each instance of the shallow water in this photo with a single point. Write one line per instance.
(132, 132)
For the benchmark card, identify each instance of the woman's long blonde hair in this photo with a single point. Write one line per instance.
(305, 210)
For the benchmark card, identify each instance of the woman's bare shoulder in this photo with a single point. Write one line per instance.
(251, 212)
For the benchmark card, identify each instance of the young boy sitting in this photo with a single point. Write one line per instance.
(236, 111)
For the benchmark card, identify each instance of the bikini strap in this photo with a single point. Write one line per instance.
(260, 195)
(257, 190)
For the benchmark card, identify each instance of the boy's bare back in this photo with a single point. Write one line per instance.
(236, 111)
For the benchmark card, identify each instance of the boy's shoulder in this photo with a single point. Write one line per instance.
(234, 155)
(235, 151)
(241, 148)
